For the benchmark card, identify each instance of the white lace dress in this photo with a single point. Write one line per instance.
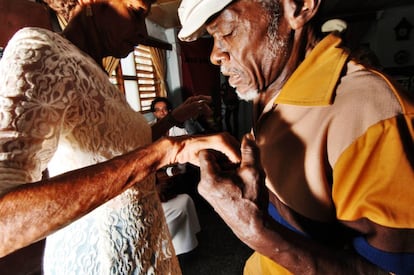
(59, 111)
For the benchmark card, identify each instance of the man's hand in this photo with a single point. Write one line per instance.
(238, 195)
(192, 108)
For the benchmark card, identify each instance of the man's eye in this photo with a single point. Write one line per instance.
(227, 33)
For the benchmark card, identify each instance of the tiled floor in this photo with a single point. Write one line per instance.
(219, 251)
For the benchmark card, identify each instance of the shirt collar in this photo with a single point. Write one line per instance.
(314, 81)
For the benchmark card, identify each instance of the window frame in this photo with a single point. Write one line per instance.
(148, 81)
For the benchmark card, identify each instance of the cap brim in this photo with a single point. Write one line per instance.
(193, 20)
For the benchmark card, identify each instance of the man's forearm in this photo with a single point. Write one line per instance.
(301, 255)
(35, 210)
(161, 127)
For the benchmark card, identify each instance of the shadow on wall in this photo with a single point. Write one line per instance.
(16, 14)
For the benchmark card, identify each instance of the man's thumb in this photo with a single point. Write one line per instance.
(249, 151)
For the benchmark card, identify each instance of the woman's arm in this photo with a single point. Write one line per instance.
(34, 210)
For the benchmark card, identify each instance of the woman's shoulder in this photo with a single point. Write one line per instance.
(34, 39)
(32, 45)
(33, 33)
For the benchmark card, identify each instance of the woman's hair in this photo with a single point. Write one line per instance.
(62, 7)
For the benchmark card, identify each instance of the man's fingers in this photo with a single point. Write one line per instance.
(224, 143)
(197, 98)
(232, 151)
(249, 151)
(204, 109)
(208, 166)
(204, 98)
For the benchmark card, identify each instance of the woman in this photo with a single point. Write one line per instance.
(59, 111)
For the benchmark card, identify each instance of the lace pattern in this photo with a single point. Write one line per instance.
(55, 115)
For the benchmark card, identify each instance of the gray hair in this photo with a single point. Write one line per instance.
(62, 7)
(274, 13)
(273, 9)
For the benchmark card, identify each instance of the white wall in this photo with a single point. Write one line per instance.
(173, 66)
(174, 76)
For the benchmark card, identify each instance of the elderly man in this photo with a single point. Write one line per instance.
(335, 141)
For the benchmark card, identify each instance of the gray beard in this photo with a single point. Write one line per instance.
(249, 95)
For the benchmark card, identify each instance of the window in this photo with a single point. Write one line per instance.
(148, 83)
(137, 78)
(140, 76)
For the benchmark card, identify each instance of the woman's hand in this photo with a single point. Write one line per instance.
(184, 149)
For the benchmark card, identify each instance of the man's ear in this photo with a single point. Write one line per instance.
(299, 12)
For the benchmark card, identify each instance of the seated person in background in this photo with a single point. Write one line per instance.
(166, 118)
(179, 210)
(172, 122)
(178, 206)
(160, 108)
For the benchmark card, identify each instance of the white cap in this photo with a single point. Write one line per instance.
(193, 15)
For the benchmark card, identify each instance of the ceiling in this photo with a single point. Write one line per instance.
(164, 12)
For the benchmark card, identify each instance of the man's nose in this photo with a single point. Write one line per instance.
(218, 56)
